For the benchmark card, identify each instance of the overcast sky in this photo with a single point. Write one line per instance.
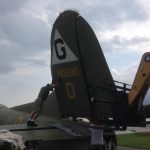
(122, 28)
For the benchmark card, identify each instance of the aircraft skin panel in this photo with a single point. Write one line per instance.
(20, 114)
(72, 93)
(43, 134)
(95, 65)
(47, 132)
(96, 69)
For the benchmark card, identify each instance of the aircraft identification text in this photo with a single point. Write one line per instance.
(68, 72)
(70, 90)
(61, 53)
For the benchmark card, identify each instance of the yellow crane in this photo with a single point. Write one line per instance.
(141, 82)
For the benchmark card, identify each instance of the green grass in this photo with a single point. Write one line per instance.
(134, 140)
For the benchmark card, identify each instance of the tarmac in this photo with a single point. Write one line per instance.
(135, 130)
(127, 148)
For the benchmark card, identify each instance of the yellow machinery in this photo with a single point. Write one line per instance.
(141, 82)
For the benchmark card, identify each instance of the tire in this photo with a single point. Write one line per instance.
(110, 144)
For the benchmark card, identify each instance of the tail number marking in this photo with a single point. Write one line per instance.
(60, 49)
(70, 90)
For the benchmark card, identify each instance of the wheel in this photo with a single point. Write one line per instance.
(110, 144)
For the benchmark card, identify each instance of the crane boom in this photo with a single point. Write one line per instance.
(141, 82)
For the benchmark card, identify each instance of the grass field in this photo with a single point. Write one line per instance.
(135, 140)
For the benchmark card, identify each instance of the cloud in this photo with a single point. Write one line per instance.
(118, 44)
(125, 74)
(6, 68)
(135, 40)
(101, 14)
(22, 38)
(8, 6)
(106, 15)
(25, 28)
(40, 60)
(30, 30)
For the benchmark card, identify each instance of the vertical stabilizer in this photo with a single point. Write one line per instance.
(77, 59)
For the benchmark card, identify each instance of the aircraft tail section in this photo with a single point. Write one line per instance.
(77, 60)
(66, 65)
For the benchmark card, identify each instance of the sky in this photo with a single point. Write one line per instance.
(121, 26)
